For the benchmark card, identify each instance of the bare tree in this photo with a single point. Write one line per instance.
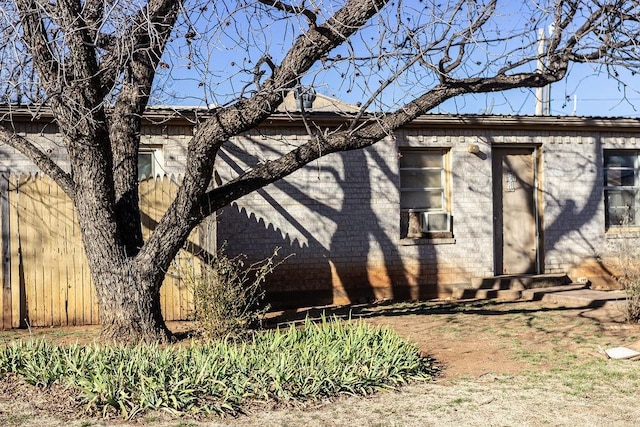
(96, 64)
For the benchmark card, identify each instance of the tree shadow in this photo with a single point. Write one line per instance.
(325, 218)
(339, 217)
(484, 308)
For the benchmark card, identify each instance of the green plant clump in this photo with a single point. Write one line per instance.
(221, 376)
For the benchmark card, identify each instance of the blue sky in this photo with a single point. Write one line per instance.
(586, 91)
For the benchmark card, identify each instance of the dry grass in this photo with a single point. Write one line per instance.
(526, 364)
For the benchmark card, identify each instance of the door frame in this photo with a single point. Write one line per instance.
(536, 152)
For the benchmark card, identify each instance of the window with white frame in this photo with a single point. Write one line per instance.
(424, 204)
(621, 185)
(149, 162)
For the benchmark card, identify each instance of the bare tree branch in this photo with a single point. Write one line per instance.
(461, 38)
(35, 34)
(363, 135)
(39, 158)
(311, 16)
(245, 114)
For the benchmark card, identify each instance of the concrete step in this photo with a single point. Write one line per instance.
(515, 286)
(539, 294)
(536, 294)
(520, 281)
(473, 293)
(567, 295)
(500, 294)
(586, 298)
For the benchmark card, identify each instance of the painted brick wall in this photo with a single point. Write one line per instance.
(337, 217)
(170, 140)
(340, 215)
(572, 182)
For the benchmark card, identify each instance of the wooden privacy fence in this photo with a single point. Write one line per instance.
(45, 276)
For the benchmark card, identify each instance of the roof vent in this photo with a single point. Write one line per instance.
(304, 95)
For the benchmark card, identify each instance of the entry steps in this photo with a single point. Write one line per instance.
(530, 287)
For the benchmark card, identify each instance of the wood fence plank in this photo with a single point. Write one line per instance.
(70, 264)
(59, 314)
(18, 297)
(75, 265)
(68, 237)
(182, 261)
(62, 257)
(190, 265)
(5, 268)
(65, 258)
(58, 284)
(51, 257)
(44, 297)
(154, 199)
(165, 197)
(75, 247)
(43, 197)
(35, 261)
(146, 191)
(28, 248)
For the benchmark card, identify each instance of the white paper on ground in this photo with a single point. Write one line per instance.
(621, 353)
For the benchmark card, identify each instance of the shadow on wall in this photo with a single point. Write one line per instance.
(565, 233)
(344, 250)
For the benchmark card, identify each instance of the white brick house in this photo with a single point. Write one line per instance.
(446, 200)
(500, 195)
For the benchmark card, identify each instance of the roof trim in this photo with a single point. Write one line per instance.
(528, 122)
(178, 115)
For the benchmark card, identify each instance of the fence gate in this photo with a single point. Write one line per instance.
(45, 276)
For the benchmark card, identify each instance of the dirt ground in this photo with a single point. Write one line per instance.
(474, 338)
(504, 363)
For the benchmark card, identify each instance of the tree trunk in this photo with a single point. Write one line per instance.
(129, 303)
(128, 296)
(130, 309)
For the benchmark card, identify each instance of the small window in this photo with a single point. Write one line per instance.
(424, 204)
(145, 165)
(149, 162)
(621, 185)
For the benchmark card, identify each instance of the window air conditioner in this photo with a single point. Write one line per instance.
(436, 222)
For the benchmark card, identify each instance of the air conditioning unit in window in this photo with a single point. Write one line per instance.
(434, 222)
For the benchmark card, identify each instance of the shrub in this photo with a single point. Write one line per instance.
(625, 260)
(229, 296)
(223, 376)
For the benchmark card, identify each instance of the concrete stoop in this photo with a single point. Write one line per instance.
(515, 287)
(548, 294)
(587, 298)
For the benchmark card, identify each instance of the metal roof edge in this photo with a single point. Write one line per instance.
(525, 122)
(190, 115)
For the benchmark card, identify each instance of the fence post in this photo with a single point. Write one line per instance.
(6, 252)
